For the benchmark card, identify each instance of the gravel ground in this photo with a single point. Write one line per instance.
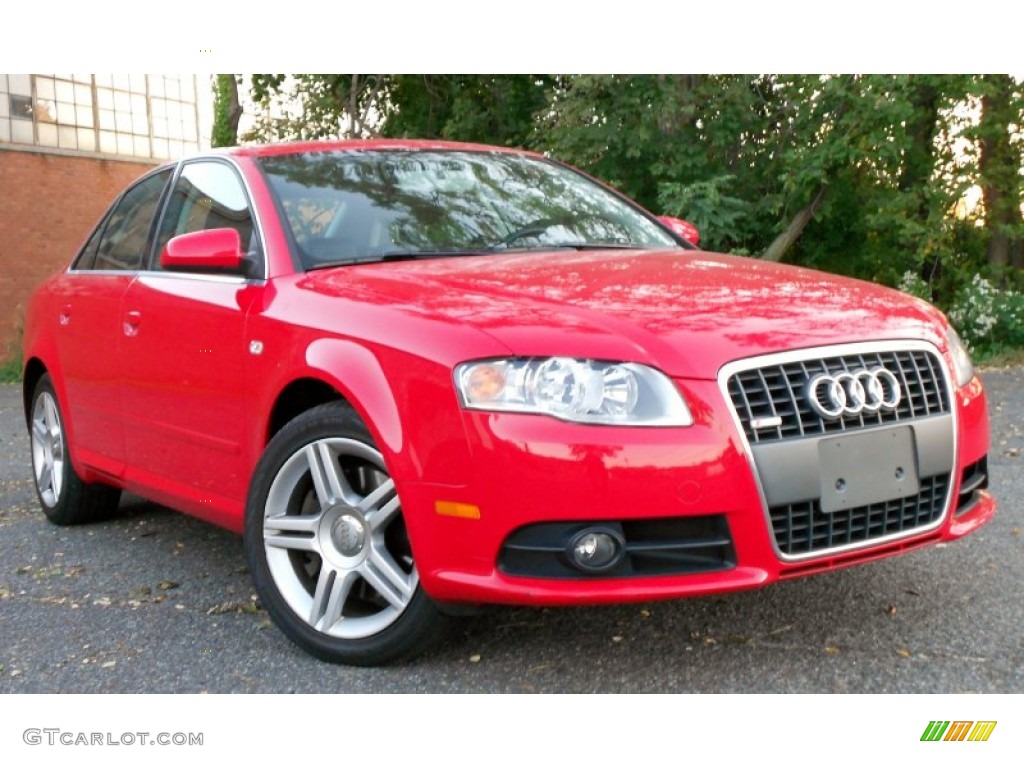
(153, 601)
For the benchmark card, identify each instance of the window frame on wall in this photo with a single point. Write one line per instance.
(149, 117)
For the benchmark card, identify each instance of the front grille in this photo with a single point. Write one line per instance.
(777, 391)
(802, 529)
(654, 547)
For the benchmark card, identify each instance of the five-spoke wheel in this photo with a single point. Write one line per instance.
(328, 546)
(47, 448)
(65, 498)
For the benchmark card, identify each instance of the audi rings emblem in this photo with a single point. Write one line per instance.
(850, 393)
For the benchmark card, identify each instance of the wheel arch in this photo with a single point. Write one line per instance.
(338, 369)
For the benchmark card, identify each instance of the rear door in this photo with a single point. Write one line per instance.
(90, 324)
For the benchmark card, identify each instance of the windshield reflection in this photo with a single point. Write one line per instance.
(362, 206)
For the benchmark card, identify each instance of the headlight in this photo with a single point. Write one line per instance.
(587, 391)
(963, 368)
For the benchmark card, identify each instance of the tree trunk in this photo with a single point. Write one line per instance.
(781, 244)
(353, 106)
(999, 165)
(227, 112)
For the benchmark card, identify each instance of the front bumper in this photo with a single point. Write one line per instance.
(529, 469)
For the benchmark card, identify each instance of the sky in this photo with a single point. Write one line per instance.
(534, 35)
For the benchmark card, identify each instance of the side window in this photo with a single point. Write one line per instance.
(125, 239)
(207, 195)
(87, 258)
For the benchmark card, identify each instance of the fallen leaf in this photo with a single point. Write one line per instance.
(233, 607)
(737, 639)
(890, 609)
(904, 653)
(831, 650)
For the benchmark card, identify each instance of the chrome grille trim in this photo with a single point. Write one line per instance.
(922, 403)
(774, 392)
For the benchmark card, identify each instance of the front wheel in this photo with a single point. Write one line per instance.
(328, 548)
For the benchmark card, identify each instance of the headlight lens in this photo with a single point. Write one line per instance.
(587, 391)
(963, 368)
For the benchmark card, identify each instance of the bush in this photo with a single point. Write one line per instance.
(10, 371)
(989, 319)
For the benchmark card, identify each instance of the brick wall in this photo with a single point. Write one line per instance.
(48, 205)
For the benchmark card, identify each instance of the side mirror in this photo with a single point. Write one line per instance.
(219, 249)
(683, 228)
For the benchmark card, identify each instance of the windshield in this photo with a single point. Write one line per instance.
(358, 206)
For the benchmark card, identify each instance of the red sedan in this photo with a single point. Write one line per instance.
(419, 376)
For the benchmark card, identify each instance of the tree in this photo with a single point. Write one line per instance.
(999, 168)
(227, 111)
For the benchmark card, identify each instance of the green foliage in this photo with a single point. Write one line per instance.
(490, 109)
(989, 318)
(10, 371)
(223, 132)
(864, 174)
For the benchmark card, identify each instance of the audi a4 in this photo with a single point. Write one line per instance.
(419, 377)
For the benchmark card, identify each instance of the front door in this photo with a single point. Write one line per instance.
(184, 396)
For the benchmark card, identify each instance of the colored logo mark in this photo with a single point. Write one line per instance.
(958, 730)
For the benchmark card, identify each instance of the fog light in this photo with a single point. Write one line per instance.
(596, 549)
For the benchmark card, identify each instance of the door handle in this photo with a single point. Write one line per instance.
(131, 322)
(64, 315)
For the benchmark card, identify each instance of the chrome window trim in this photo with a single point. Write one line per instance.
(149, 274)
(814, 353)
(176, 170)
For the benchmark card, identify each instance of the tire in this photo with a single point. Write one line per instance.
(327, 545)
(65, 498)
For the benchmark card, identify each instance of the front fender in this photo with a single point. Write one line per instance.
(407, 402)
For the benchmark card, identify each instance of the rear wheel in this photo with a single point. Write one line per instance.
(65, 499)
(328, 548)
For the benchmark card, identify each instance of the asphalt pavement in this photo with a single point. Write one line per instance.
(153, 601)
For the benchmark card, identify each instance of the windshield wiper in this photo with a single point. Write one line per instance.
(377, 258)
(575, 246)
(393, 256)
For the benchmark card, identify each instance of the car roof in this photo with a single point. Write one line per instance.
(357, 145)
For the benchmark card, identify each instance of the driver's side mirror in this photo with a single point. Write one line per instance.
(683, 228)
(219, 249)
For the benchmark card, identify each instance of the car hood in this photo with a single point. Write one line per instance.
(686, 312)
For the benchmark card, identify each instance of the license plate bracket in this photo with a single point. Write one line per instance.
(867, 468)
